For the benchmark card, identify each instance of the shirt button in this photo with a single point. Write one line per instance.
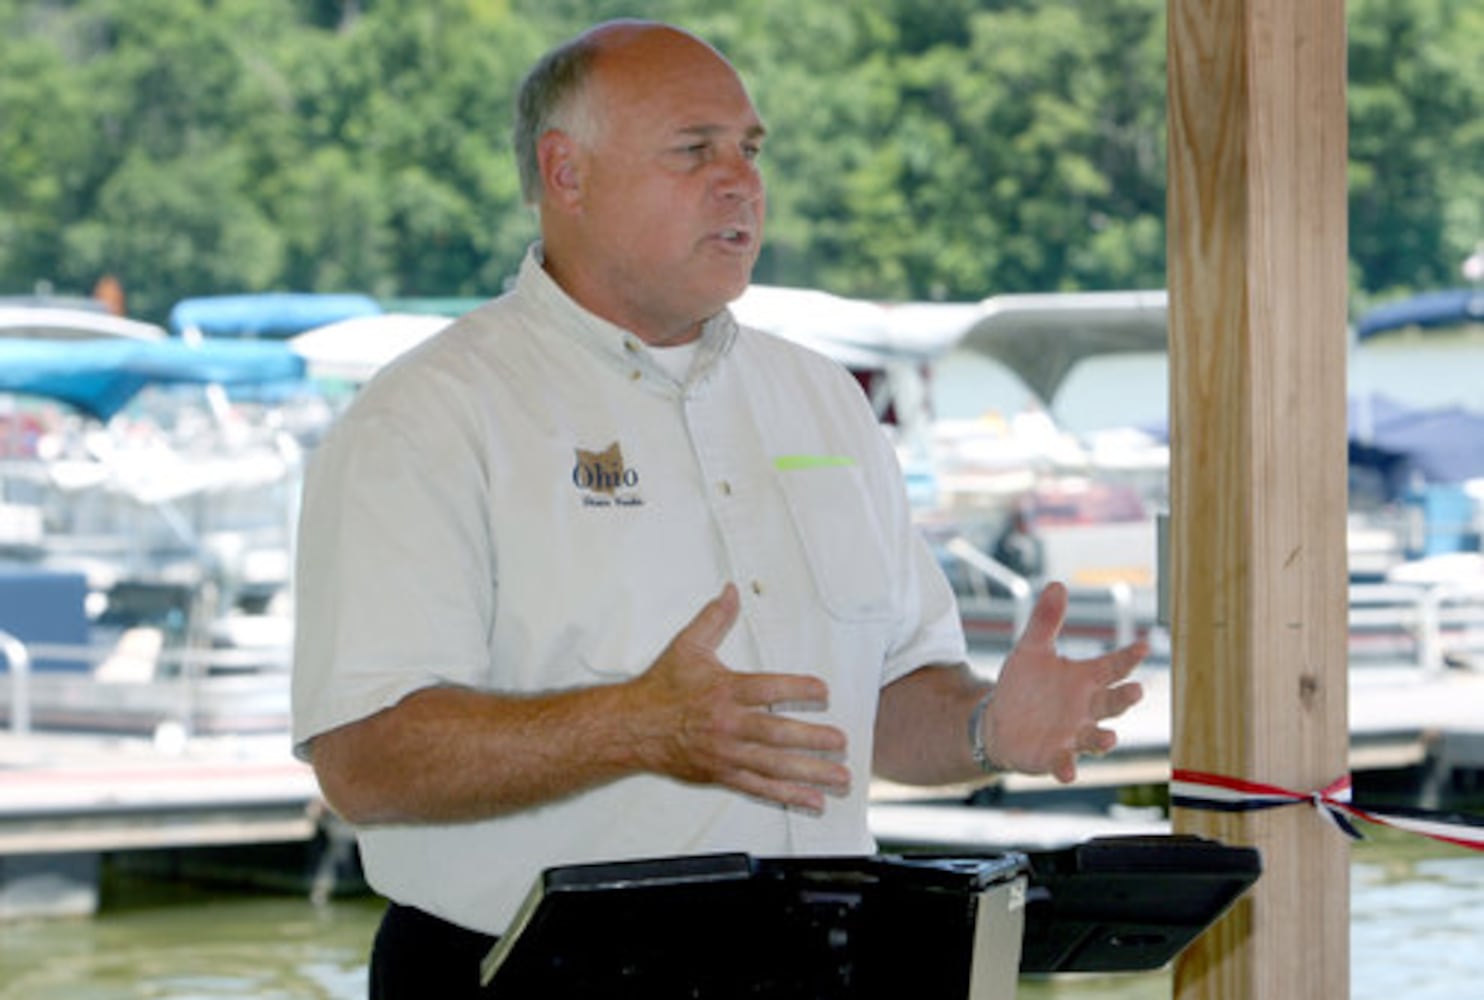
(635, 375)
(757, 588)
(725, 488)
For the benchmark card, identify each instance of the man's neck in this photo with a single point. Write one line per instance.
(595, 297)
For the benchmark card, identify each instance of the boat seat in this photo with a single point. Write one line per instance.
(46, 608)
(133, 658)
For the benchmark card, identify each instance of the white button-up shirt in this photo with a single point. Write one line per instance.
(530, 502)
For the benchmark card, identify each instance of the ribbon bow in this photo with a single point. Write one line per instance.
(1214, 792)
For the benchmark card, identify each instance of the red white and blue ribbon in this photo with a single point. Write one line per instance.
(1198, 790)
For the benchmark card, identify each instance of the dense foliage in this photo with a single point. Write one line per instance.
(920, 148)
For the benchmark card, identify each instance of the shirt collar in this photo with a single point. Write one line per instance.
(610, 341)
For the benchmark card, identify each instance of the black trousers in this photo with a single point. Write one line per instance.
(417, 956)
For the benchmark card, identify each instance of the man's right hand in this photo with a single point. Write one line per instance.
(697, 721)
(447, 754)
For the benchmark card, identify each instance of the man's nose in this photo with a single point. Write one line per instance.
(739, 178)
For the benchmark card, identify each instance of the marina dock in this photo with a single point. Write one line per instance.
(67, 800)
(101, 793)
(1426, 726)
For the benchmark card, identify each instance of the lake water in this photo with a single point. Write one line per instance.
(1416, 925)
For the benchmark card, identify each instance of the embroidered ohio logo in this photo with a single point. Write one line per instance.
(603, 479)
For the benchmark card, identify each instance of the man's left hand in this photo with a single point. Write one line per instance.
(1048, 709)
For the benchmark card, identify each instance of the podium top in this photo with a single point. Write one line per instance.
(734, 925)
(1123, 904)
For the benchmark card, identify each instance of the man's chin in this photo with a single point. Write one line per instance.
(741, 280)
(718, 295)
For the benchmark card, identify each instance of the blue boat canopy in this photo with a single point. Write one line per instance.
(1441, 445)
(1454, 306)
(100, 377)
(266, 316)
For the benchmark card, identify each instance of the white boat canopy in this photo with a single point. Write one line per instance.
(855, 332)
(1041, 337)
(66, 323)
(354, 349)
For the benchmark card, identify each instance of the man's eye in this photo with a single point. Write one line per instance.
(752, 150)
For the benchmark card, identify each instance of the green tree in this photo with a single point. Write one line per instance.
(418, 98)
(180, 111)
(1416, 97)
(46, 144)
(918, 148)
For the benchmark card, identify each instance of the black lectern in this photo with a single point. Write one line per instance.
(722, 927)
(1124, 904)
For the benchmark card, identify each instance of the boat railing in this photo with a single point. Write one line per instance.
(1111, 604)
(129, 685)
(18, 658)
(1429, 626)
(1435, 622)
(167, 663)
(1108, 614)
(986, 570)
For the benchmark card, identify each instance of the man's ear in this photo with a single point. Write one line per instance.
(561, 169)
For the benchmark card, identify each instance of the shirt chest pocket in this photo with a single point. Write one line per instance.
(841, 539)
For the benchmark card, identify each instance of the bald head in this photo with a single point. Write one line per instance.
(639, 142)
(559, 92)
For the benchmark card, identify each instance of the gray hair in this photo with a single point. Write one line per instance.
(552, 97)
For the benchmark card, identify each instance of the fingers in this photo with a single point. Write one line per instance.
(1059, 702)
(712, 623)
(1117, 700)
(774, 690)
(1121, 662)
(788, 760)
(715, 726)
(792, 767)
(806, 797)
(1047, 616)
(1097, 741)
(1093, 741)
(780, 731)
(1110, 703)
(1064, 767)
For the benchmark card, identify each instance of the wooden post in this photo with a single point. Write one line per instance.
(1257, 274)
